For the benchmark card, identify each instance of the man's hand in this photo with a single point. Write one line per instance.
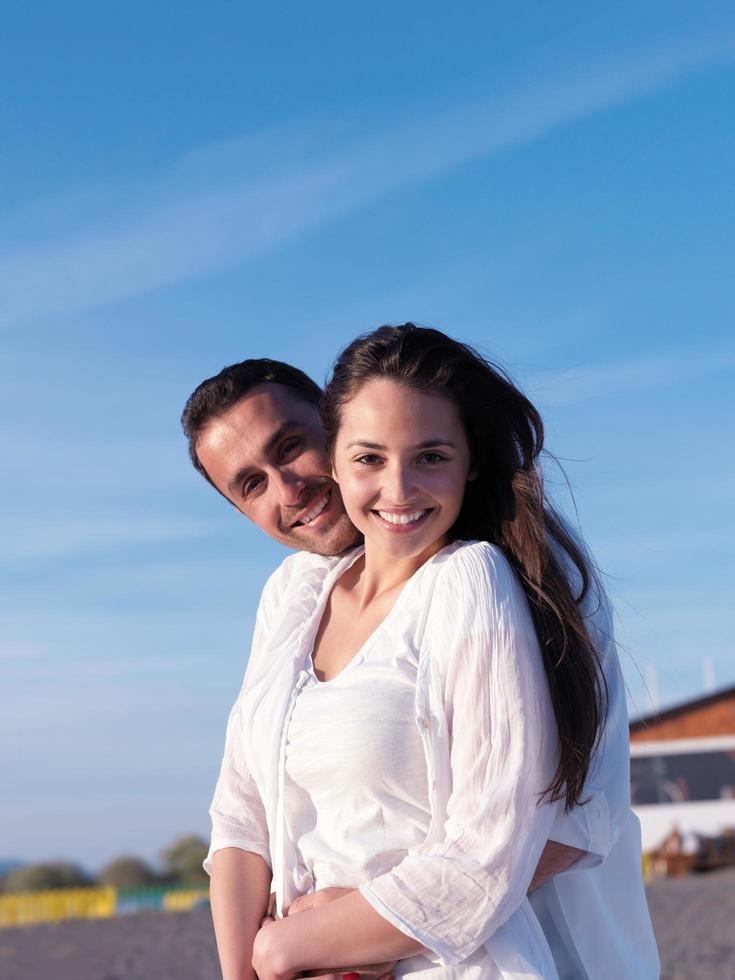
(270, 912)
(315, 900)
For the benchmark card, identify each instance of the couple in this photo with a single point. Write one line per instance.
(429, 755)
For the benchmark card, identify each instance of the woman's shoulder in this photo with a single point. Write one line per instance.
(469, 582)
(467, 564)
(475, 597)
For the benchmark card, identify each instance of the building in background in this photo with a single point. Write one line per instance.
(682, 771)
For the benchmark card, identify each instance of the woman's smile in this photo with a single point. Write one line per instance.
(402, 522)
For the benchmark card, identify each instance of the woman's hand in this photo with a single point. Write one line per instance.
(271, 959)
(270, 952)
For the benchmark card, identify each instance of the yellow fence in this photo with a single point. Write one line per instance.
(25, 908)
(184, 901)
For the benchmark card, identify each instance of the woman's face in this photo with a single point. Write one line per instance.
(402, 460)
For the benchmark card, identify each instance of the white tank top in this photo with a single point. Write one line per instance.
(356, 796)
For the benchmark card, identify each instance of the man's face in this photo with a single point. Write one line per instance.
(266, 455)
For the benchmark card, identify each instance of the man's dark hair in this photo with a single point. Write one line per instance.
(216, 395)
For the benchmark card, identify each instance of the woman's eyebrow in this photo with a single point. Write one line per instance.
(365, 443)
(426, 444)
(432, 443)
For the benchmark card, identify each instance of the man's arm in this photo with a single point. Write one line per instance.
(554, 859)
(595, 825)
(239, 889)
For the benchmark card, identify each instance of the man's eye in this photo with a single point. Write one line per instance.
(290, 446)
(251, 485)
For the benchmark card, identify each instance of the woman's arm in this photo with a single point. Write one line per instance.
(239, 892)
(347, 930)
(291, 947)
(283, 952)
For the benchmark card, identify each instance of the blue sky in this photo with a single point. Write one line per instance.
(184, 189)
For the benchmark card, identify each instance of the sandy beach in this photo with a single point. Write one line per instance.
(693, 918)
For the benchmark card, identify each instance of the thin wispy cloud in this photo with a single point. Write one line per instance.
(20, 652)
(146, 243)
(641, 548)
(79, 464)
(701, 489)
(579, 384)
(43, 539)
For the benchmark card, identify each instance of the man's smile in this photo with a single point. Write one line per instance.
(315, 507)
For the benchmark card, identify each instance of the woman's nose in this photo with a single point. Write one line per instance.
(399, 486)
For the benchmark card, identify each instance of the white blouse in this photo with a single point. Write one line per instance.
(488, 736)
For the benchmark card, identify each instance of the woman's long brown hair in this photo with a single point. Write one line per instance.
(504, 505)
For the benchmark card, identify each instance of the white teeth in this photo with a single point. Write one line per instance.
(401, 518)
(316, 512)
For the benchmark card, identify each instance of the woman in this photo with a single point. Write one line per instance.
(416, 713)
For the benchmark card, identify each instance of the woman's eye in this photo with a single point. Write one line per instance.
(369, 459)
(432, 458)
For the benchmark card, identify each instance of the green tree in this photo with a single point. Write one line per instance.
(39, 877)
(5, 868)
(183, 860)
(127, 872)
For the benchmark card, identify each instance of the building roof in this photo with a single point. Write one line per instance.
(677, 710)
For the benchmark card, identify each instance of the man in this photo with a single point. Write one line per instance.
(255, 434)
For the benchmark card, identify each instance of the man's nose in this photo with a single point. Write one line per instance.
(290, 487)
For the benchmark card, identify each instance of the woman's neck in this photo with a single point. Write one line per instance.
(379, 573)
